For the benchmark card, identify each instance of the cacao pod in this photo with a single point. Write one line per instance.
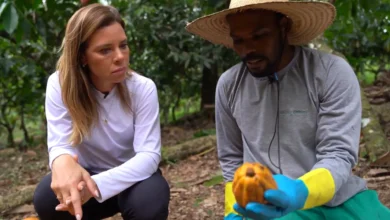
(250, 182)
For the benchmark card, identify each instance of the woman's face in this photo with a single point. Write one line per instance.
(107, 56)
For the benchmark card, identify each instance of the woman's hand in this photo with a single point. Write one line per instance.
(84, 194)
(67, 174)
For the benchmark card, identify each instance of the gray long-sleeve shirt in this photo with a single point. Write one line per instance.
(319, 120)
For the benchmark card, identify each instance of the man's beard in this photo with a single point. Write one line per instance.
(270, 67)
(267, 71)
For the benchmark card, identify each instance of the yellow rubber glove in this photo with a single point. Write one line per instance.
(230, 213)
(320, 186)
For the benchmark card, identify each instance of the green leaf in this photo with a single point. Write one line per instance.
(369, 77)
(204, 132)
(36, 3)
(2, 7)
(23, 32)
(187, 62)
(10, 18)
(214, 181)
(344, 8)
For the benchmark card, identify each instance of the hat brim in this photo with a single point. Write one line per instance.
(309, 20)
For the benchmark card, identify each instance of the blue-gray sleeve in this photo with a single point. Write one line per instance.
(339, 122)
(229, 140)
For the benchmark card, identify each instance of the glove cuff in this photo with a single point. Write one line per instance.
(320, 186)
(230, 200)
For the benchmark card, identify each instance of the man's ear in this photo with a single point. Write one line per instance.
(285, 24)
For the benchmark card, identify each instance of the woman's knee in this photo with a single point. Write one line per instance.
(147, 200)
(45, 201)
(42, 194)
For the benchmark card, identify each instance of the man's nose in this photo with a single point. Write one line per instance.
(248, 48)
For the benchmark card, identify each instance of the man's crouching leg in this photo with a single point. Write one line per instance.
(363, 206)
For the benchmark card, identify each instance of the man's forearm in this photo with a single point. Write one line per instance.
(339, 122)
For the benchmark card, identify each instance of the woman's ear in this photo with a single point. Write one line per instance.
(83, 60)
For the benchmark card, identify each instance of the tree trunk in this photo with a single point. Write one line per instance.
(17, 198)
(209, 83)
(23, 125)
(10, 138)
(176, 104)
(374, 137)
(188, 148)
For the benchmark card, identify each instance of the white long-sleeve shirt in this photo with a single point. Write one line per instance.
(123, 151)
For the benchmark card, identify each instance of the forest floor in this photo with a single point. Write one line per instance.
(196, 183)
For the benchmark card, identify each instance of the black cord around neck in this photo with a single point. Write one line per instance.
(276, 129)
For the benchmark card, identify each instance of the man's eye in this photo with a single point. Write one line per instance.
(259, 36)
(237, 41)
(262, 35)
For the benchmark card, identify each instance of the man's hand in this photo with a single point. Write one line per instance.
(290, 196)
(313, 189)
(67, 175)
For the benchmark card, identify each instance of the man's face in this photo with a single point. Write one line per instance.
(257, 40)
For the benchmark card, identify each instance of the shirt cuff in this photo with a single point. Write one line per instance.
(113, 181)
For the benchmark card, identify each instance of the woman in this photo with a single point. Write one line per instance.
(103, 128)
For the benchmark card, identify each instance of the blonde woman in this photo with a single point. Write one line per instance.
(103, 128)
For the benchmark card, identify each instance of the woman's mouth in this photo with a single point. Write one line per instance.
(119, 70)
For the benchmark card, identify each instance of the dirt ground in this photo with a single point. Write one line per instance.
(196, 183)
(196, 189)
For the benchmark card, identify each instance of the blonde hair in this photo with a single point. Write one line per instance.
(76, 86)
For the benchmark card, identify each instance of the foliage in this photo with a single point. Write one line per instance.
(361, 33)
(204, 132)
(31, 33)
(218, 179)
(164, 51)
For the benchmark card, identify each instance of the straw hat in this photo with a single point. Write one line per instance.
(309, 19)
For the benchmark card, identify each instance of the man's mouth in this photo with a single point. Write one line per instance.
(254, 61)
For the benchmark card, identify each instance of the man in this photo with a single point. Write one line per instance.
(294, 109)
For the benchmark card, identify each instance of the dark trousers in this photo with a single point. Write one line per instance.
(146, 200)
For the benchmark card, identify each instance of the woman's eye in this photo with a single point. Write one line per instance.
(105, 51)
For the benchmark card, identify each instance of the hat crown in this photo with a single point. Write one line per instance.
(309, 19)
(240, 3)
